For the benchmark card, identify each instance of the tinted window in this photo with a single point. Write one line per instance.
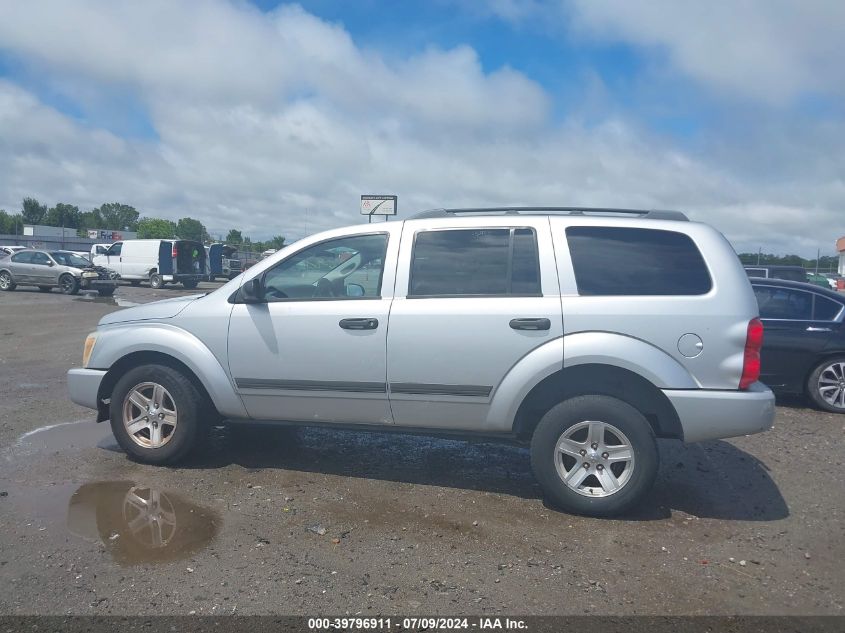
(784, 303)
(624, 261)
(475, 262)
(826, 309)
(40, 259)
(22, 258)
(115, 249)
(335, 269)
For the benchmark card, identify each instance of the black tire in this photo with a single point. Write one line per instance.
(45, 288)
(189, 285)
(156, 281)
(69, 284)
(612, 411)
(106, 292)
(834, 375)
(6, 283)
(135, 282)
(194, 414)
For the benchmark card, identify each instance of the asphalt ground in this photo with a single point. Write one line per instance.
(310, 522)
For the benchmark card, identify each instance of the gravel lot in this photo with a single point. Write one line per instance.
(317, 521)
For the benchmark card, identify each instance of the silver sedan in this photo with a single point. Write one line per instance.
(55, 269)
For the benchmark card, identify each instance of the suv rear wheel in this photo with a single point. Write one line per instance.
(157, 414)
(594, 455)
(156, 281)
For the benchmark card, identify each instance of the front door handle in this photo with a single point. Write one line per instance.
(818, 329)
(359, 324)
(530, 324)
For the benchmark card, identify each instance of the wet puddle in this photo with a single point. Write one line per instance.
(67, 435)
(118, 301)
(136, 523)
(140, 524)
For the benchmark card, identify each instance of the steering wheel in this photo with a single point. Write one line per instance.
(324, 288)
(274, 293)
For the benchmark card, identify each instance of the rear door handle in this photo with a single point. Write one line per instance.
(359, 324)
(530, 324)
(818, 329)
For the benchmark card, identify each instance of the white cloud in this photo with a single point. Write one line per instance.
(768, 50)
(264, 118)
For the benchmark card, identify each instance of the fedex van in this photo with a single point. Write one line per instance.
(156, 261)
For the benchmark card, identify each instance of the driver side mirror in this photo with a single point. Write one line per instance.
(51, 263)
(253, 291)
(354, 290)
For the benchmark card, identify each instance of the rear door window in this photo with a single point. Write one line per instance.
(475, 262)
(615, 261)
(784, 303)
(826, 309)
(23, 258)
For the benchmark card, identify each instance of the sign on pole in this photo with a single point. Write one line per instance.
(378, 205)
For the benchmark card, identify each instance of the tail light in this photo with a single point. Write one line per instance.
(751, 360)
(174, 251)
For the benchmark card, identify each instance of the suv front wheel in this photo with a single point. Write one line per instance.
(594, 455)
(157, 414)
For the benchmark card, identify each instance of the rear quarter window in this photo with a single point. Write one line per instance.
(614, 261)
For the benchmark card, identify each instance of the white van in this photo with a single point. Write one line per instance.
(156, 261)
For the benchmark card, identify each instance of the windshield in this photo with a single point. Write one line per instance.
(69, 259)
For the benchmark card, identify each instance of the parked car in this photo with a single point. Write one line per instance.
(221, 263)
(10, 250)
(819, 280)
(584, 334)
(157, 261)
(793, 273)
(804, 347)
(55, 269)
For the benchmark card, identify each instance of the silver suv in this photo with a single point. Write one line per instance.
(585, 333)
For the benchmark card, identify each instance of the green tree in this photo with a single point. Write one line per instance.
(191, 229)
(91, 220)
(234, 237)
(32, 211)
(62, 214)
(11, 224)
(155, 229)
(276, 242)
(117, 217)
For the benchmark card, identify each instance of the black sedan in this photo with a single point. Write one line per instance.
(803, 341)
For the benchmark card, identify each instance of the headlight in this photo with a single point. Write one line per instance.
(89, 347)
(90, 275)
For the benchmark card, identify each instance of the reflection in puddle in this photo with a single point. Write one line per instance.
(139, 524)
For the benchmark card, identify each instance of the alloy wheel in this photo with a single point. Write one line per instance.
(149, 415)
(831, 385)
(594, 459)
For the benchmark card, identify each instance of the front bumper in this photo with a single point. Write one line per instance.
(98, 283)
(84, 386)
(712, 415)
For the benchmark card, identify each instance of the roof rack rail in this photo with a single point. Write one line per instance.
(649, 214)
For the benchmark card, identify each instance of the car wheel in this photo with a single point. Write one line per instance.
(6, 282)
(69, 284)
(45, 288)
(157, 414)
(594, 455)
(156, 281)
(106, 292)
(189, 285)
(826, 385)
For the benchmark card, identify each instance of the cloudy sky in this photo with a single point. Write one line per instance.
(274, 117)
